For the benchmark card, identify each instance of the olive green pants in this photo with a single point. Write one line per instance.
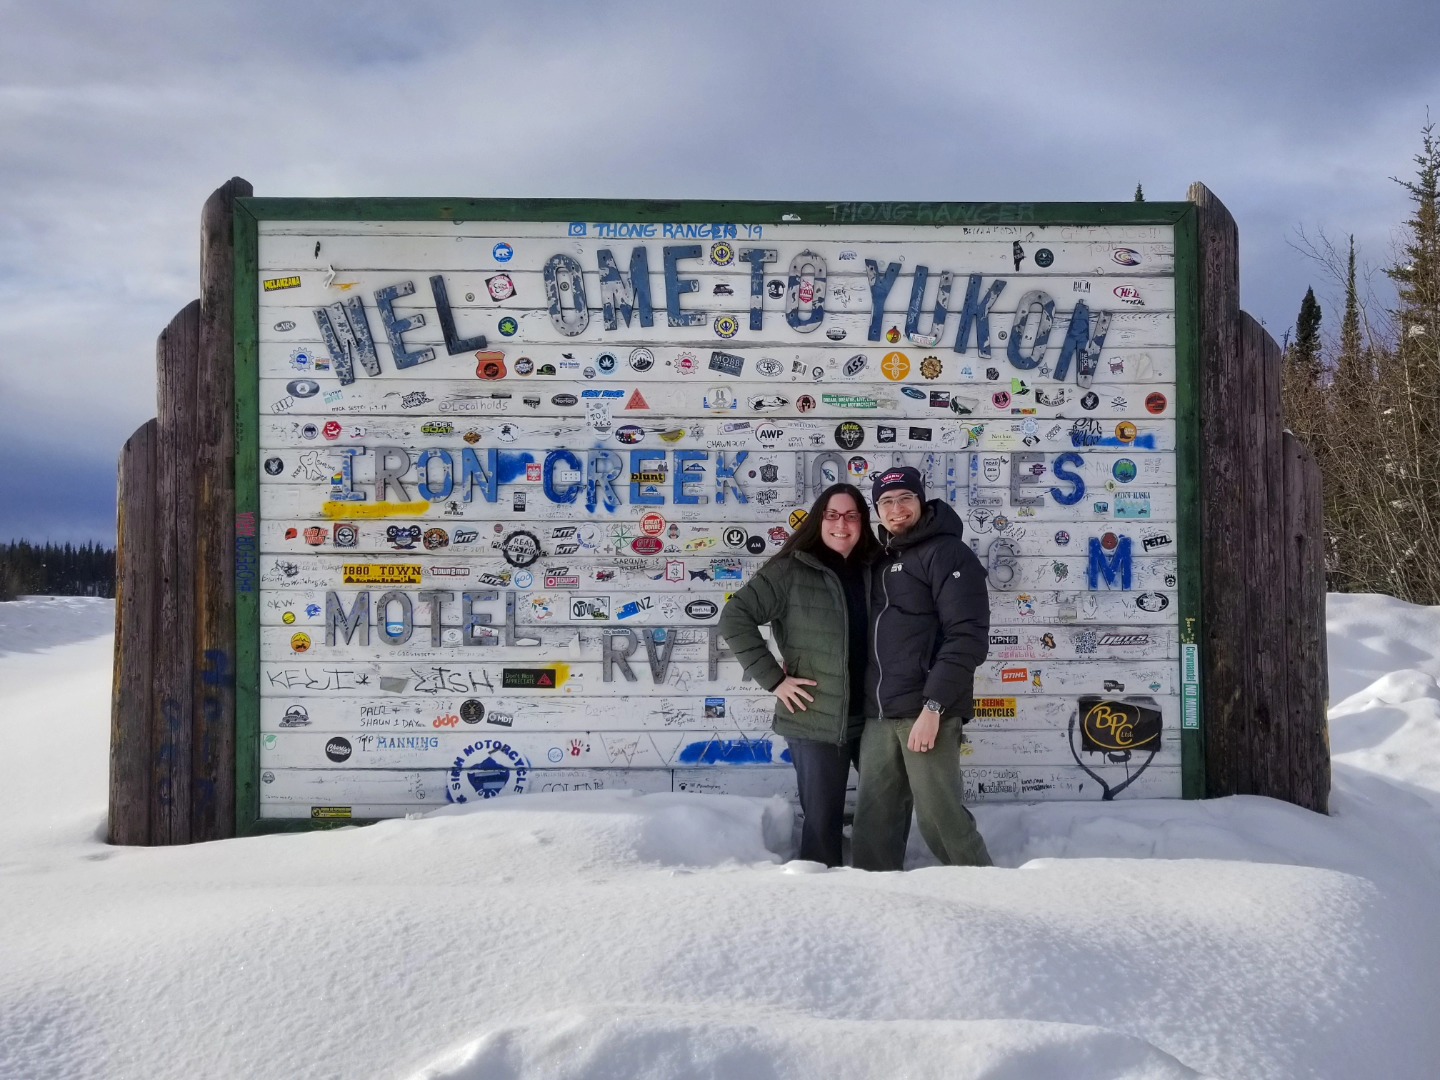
(894, 780)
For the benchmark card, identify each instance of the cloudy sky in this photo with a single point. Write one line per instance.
(117, 121)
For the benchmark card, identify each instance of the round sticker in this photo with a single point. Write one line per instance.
(735, 537)
(274, 466)
(895, 366)
(755, 545)
(1124, 470)
(804, 403)
(508, 327)
(1125, 431)
(1044, 257)
(797, 518)
(1155, 402)
(524, 366)
(642, 359)
(472, 711)
(652, 524)
(849, 435)
(931, 367)
(1062, 538)
(1001, 399)
(858, 467)
(722, 254)
(1109, 541)
(520, 548)
(300, 642)
(726, 326)
(606, 362)
(1089, 401)
(288, 618)
(338, 749)
(502, 252)
(768, 366)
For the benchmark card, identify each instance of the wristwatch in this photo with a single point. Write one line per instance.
(934, 706)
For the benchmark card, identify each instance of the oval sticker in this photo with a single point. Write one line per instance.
(303, 388)
(630, 434)
(647, 545)
(701, 609)
(564, 400)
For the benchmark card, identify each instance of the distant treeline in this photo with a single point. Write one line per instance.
(56, 570)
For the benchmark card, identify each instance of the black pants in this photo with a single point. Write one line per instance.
(823, 771)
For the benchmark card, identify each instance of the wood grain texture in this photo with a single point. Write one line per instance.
(135, 612)
(1305, 642)
(213, 749)
(1225, 542)
(173, 705)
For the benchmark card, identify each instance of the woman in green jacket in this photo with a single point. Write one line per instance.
(812, 594)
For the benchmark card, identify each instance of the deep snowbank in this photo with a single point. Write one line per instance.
(611, 935)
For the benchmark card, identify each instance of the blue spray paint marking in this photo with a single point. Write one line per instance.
(618, 292)
(216, 670)
(511, 465)
(395, 326)
(1140, 442)
(728, 752)
(676, 286)
(1101, 564)
(757, 258)
(977, 311)
(880, 286)
(454, 343)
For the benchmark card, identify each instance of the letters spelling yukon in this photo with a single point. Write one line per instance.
(344, 326)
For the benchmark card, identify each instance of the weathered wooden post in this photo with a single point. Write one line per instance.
(134, 640)
(1263, 700)
(213, 748)
(172, 724)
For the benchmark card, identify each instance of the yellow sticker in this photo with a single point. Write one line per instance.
(329, 812)
(300, 642)
(995, 708)
(797, 518)
(382, 573)
(271, 284)
(895, 366)
(334, 509)
(288, 618)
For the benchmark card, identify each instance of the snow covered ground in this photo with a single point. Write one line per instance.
(606, 935)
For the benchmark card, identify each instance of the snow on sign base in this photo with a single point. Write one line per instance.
(502, 475)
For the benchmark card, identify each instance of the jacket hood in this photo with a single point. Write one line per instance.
(937, 518)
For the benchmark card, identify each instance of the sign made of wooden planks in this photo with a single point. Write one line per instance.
(500, 466)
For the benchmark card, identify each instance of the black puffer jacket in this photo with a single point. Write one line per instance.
(930, 619)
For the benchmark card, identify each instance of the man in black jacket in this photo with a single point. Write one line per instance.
(930, 625)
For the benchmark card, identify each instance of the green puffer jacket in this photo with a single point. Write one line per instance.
(804, 603)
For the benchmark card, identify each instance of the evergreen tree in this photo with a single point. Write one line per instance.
(1305, 353)
(1350, 375)
(1139, 193)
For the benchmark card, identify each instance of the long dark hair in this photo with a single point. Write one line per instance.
(807, 537)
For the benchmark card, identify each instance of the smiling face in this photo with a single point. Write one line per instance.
(840, 526)
(898, 510)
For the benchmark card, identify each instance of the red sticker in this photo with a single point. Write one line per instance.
(1155, 402)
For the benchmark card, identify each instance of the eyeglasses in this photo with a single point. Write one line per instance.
(897, 500)
(850, 517)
